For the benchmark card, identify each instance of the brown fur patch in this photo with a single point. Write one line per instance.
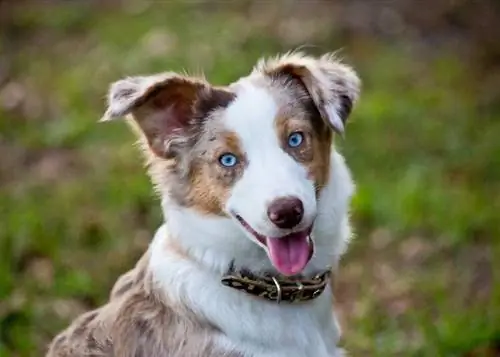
(314, 152)
(209, 183)
(299, 114)
(319, 167)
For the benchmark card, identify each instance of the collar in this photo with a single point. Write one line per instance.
(278, 288)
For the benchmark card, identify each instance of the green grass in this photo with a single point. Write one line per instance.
(76, 208)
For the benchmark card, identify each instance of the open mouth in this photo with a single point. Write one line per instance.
(290, 253)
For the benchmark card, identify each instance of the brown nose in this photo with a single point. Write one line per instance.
(286, 212)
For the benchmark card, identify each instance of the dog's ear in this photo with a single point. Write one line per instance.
(165, 107)
(333, 86)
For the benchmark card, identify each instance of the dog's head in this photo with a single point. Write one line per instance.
(256, 152)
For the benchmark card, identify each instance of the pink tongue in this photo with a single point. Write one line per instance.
(289, 254)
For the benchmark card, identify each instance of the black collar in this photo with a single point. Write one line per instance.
(278, 288)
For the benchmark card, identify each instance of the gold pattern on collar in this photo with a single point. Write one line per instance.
(278, 288)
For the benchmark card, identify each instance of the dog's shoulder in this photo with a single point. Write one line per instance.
(137, 321)
(149, 325)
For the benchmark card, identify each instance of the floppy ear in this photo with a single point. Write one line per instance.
(334, 87)
(166, 107)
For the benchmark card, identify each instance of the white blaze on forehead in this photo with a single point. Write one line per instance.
(251, 116)
(271, 173)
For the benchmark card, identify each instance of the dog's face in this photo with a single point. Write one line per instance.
(256, 152)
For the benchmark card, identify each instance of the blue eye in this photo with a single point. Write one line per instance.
(295, 139)
(228, 160)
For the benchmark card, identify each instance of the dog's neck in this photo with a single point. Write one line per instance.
(191, 252)
(213, 242)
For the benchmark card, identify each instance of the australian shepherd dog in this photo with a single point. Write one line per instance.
(256, 205)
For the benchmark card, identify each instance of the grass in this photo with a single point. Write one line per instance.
(77, 209)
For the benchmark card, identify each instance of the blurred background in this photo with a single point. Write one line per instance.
(422, 277)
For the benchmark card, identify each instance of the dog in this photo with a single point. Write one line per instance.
(256, 204)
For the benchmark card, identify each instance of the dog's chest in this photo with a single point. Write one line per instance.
(248, 325)
(270, 330)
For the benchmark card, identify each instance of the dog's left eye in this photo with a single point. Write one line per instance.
(228, 160)
(295, 139)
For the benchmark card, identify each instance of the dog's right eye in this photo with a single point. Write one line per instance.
(295, 139)
(228, 160)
